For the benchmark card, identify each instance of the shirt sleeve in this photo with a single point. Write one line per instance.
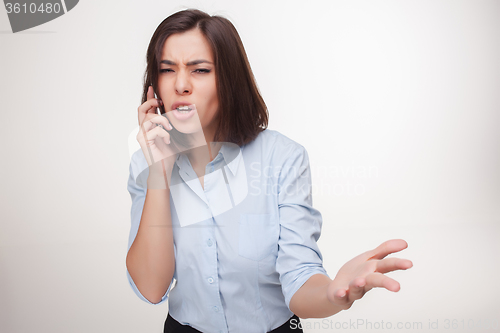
(299, 256)
(137, 189)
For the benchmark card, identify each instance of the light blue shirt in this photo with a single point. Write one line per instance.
(246, 242)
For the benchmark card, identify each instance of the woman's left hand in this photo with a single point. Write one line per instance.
(365, 272)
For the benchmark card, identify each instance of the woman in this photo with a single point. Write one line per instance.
(221, 204)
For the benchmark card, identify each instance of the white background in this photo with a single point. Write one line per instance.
(396, 102)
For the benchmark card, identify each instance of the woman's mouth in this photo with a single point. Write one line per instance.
(184, 112)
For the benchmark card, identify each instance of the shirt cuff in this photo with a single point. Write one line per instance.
(138, 293)
(292, 288)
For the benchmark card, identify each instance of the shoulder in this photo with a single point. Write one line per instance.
(274, 146)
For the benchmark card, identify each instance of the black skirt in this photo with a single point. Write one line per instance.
(173, 326)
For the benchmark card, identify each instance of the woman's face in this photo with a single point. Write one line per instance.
(187, 75)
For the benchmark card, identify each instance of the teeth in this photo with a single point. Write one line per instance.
(183, 109)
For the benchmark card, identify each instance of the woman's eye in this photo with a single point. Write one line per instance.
(202, 70)
(199, 70)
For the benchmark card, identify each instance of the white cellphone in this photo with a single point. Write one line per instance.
(157, 109)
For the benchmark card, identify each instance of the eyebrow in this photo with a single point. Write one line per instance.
(191, 63)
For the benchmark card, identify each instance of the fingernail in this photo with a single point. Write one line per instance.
(170, 126)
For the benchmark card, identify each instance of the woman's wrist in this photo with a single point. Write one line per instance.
(160, 173)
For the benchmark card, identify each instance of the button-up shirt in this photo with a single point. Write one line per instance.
(245, 242)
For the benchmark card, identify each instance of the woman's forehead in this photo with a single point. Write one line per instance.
(186, 46)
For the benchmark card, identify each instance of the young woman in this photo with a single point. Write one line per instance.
(222, 205)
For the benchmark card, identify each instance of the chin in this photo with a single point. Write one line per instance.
(188, 126)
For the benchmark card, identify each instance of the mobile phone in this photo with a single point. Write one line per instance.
(158, 108)
(158, 111)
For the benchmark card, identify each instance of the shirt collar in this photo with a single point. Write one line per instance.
(231, 153)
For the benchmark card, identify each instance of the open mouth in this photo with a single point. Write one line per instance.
(184, 112)
(183, 109)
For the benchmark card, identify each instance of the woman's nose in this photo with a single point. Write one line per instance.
(182, 83)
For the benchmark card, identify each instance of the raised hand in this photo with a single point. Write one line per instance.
(154, 138)
(365, 272)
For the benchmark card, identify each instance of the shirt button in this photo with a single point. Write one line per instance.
(216, 309)
(209, 242)
(210, 280)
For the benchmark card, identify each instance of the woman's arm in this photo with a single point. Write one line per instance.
(310, 301)
(150, 259)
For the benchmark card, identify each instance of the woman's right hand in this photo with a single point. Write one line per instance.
(153, 139)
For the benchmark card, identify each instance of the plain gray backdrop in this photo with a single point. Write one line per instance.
(396, 102)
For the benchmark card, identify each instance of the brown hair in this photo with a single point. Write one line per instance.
(242, 113)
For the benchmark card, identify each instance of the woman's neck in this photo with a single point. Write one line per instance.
(205, 150)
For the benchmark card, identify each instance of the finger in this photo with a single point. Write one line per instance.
(388, 247)
(356, 289)
(340, 296)
(159, 132)
(153, 127)
(391, 264)
(154, 121)
(150, 116)
(150, 94)
(379, 280)
(147, 125)
(148, 139)
(161, 120)
(148, 107)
